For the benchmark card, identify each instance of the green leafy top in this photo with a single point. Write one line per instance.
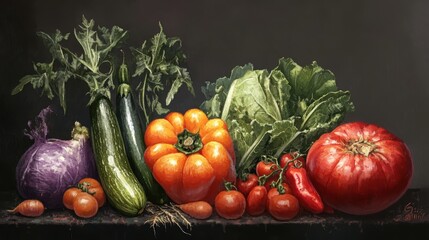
(159, 62)
(269, 113)
(97, 45)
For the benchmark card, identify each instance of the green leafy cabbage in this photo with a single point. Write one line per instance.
(269, 113)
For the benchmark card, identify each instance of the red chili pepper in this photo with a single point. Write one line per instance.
(302, 188)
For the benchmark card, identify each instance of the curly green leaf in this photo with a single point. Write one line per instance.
(159, 62)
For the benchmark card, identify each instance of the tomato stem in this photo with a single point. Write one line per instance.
(281, 189)
(84, 187)
(243, 176)
(361, 147)
(269, 159)
(229, 186)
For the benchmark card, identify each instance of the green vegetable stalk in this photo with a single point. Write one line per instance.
(269, 113)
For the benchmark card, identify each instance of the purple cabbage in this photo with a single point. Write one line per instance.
(50, 166)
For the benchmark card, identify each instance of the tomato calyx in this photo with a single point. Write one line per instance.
(281, 189)
(188, 142)
(229, 186)
(84, 187)
(361, 147)
(268, 159)
(243, 176)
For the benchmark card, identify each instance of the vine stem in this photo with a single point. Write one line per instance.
(281, 170)
(143, 101)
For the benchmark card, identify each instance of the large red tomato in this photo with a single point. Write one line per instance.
(360, 168)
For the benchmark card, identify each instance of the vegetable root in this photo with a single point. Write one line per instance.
(197, 210)
(29, 208)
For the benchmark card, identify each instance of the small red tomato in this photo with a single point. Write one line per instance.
(256, 201)
(283, 207)
(289, 157)
(93, 187)
(265, 168)
(246, 185)
(85, 205)
(69, 197)
(274, 192)
(90, 182)
(230, 204)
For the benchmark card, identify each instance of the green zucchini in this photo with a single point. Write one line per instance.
(122, 188)
(132, 134)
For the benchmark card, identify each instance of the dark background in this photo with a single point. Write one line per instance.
(379, 50)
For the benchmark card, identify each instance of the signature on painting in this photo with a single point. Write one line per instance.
(411, 213)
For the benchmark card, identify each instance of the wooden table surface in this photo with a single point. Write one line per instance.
(408, 218)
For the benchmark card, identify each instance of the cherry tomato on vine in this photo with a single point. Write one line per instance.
(283, 207)
(265, 168)
(268, 169)
(269, 183)
(246, 185)
(289, 157)
(274, 192)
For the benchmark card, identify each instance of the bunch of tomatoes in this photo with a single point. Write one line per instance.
(280, 188)
(86, 198)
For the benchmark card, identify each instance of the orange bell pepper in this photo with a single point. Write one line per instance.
(189, 155)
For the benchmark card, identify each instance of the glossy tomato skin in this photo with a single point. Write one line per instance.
(93, 187)
(189, 155)
(272, 181)
(256, 201)
(283, 207)
(230, 204)
(85, 205)
(288, 157)
(246, 185)
(265, 168)
(360, 168)
(69, 197)
(274, 192)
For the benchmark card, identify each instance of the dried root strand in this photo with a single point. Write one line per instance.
(168, 214)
